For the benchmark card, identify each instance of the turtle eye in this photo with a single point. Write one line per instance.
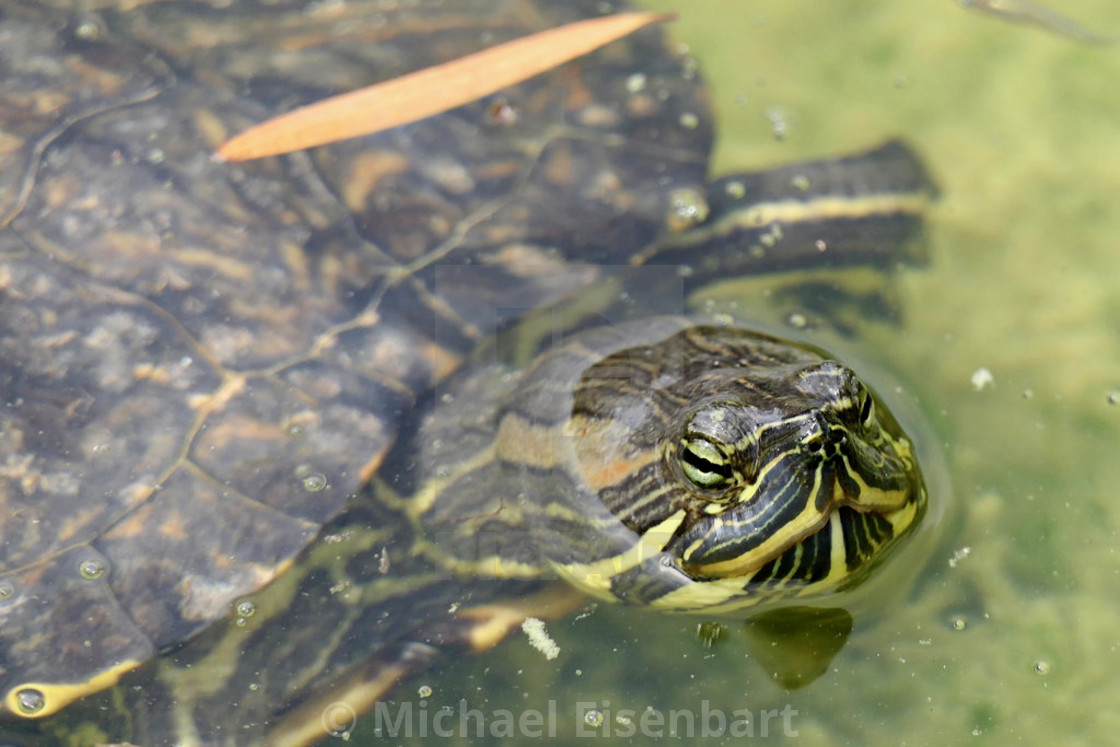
(704, 463)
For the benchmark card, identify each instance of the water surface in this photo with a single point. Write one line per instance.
(1010, 633)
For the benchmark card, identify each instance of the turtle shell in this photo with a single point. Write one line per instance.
(202, 363)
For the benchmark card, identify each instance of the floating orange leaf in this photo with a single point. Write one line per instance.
(431, 90)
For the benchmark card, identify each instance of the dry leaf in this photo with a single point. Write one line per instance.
(431, 90)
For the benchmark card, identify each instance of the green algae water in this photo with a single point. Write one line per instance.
(1008, 350)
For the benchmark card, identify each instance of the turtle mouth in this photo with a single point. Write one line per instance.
(827, 520)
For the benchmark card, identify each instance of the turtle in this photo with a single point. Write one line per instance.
(402, 390)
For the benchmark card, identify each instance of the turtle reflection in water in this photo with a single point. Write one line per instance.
(210, 369)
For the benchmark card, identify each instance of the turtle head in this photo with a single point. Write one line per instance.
(729, 469)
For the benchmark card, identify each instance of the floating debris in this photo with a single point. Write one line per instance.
(959, 555)
(982, 379)
(432, 90)
(1034, 14)
(539, 637)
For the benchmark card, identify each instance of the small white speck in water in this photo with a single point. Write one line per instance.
(982, 379)
(959, 555)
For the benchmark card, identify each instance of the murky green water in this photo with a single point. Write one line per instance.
(1010, 635)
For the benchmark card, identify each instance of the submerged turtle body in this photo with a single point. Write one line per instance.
(204, 365)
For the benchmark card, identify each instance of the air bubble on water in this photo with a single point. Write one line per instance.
(688, 208)
(88, 31)
(314, 482)
(30, 701)
(92, 569)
